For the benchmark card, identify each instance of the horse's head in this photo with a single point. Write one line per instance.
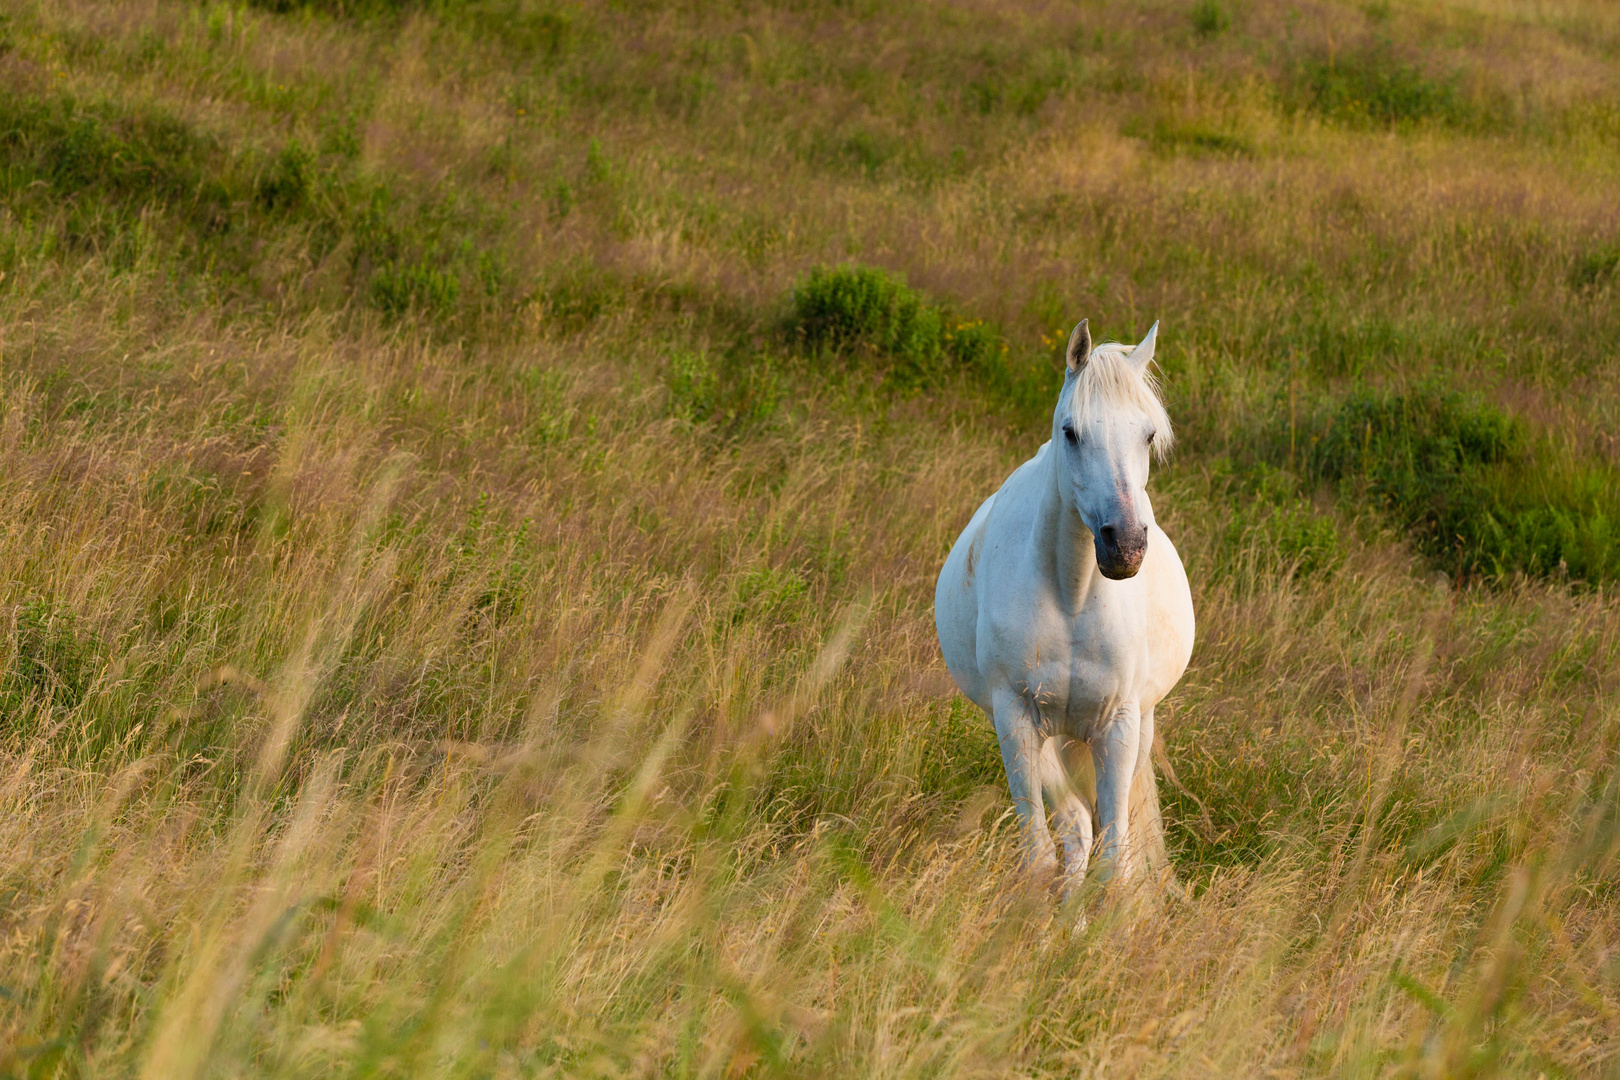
(1108, 425)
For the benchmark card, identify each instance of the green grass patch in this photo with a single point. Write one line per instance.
(728, 394)
(963, 754)
(341, 9)
(419, 286)
(1596, 268)
(1274, 528)
(132, 185)
(1170, 136)
(99, 166)
(1470, 485)
(1374, 87)
(53, 661)
(1253, 787)
(1020, 84)
(913, 766)
(862, 308)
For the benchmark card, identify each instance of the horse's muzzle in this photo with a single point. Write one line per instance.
(1120, 550)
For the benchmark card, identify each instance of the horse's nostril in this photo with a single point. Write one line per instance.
(1107, 533)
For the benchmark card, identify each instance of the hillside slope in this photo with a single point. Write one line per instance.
(467, 592)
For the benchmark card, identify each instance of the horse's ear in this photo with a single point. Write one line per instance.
(1079, 347)
(1142, 355)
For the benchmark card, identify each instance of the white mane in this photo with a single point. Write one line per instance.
(1109, 381)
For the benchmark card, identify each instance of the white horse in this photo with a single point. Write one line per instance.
(1063, 612)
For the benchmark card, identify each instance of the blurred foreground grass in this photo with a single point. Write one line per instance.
(467, 573)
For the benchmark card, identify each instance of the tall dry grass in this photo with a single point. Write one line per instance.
(535, 675)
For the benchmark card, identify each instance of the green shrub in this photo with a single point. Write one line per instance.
(974, 344)
(1373, 87)
(1209, 18)
(1476, 493)
(862, 309)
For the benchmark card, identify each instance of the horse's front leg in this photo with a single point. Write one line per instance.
(1114, 748)
(1016, 730)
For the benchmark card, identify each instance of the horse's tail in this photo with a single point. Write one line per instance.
(1146, 823)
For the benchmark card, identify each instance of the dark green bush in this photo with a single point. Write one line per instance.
(1372, 87)
(865, 314)
(1479, 496)
(1209, 18)
(861, 309)
(974, 344)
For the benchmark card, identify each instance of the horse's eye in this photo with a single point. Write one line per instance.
(1150, 437)
(1068, 433)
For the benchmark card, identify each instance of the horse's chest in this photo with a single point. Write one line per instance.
(1078, 671)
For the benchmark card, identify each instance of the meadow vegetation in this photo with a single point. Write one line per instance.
(473, 476)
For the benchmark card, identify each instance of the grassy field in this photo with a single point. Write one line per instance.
(473, 474)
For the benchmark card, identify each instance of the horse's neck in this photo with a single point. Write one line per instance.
(1066, 548)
